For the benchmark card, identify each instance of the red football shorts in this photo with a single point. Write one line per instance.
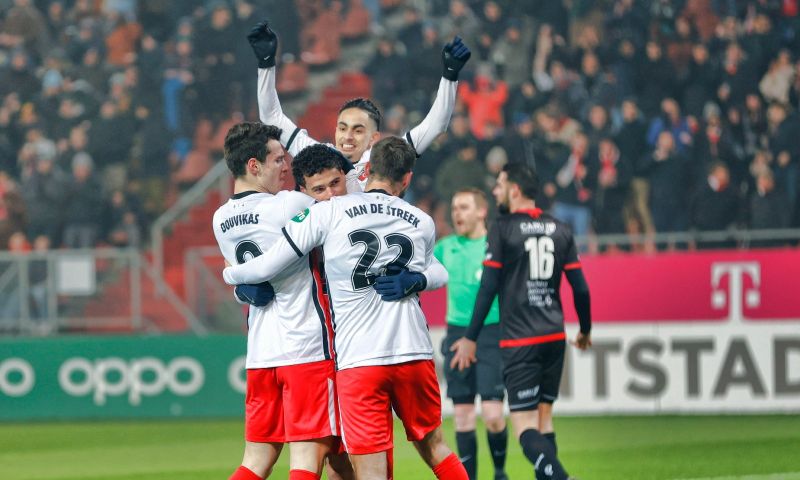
(368, 394)
(291, 403)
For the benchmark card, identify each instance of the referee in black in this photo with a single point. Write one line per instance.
(526, 252)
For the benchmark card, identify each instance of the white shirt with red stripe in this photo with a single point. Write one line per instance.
(361, 234)
(295, 327)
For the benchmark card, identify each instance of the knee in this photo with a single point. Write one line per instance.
(464, 418)
(495, 421)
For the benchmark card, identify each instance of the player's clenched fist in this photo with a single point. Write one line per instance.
(265, 44)
(454, 56)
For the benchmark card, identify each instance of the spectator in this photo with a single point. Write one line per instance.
(775, 84)
(523, 146)
(122, 224)
(484, 102)
(613, 178)
(575, 181)
(715, 206)
(463, 170)
(783, 132)
(44, 189)
(671, 120)
(511, 54)
(37, 275)
(84, 205)
(12, 208)
(461, 21)
(668, 175)
(25, 26)
(386, 68)
(768, 205)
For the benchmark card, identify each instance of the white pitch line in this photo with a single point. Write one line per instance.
(771, 476)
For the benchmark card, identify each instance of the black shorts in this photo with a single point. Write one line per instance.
(532, 374)
(484, 378)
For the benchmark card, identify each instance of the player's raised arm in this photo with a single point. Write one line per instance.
(301, 234)
(265, 46)
(454, 56)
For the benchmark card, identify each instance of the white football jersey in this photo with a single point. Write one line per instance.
(361, 234)
(295, 327)
(295, 139)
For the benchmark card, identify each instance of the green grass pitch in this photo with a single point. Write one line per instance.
(592, 448)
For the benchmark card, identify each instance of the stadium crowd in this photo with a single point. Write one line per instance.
(639, 116)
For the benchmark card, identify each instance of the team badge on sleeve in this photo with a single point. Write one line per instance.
(301, 216)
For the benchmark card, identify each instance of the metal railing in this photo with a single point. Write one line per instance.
(49, 291)
(216, 178)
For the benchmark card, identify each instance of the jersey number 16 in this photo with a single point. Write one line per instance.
(540, 255)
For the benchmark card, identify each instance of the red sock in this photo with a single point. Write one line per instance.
(450, 469)
(244, 473)
(302, 475)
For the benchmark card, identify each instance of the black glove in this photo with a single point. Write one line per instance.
(264, 43)
(258, 295)
(398, 283)
(454, 56)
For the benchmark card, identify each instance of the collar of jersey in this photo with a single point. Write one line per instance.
(379, 190)
(532, 212)
(237, 196)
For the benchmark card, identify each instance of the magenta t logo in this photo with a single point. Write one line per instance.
(735, 271)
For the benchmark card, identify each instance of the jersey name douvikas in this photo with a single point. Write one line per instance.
(236, 220)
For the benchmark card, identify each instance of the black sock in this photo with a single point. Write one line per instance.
(498, 443)
(541, 455)
(467, 444)
(551, 437)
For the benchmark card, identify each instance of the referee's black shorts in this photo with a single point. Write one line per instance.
(485, 377)
(532, 374)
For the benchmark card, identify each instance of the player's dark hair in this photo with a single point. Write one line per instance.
(524, 177)
(315, 159)
(478, 194)
(248, 140)
(366, 105)
(391, 159)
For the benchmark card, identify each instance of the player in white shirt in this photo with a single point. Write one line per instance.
(290, 371)
(358, 124)
(384, 352)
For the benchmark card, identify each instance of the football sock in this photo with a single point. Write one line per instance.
(541, 455)
(450, 469)
(302, 475)
(467, 444)
(498, 443)
(244, 473)
(551, 437)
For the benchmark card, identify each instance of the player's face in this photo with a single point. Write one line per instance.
(501, 192)
(275, 169)
(467, 217)
(325, 184)
(355, 133)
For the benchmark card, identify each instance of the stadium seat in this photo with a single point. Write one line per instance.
(356, 22)
(292, 78)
